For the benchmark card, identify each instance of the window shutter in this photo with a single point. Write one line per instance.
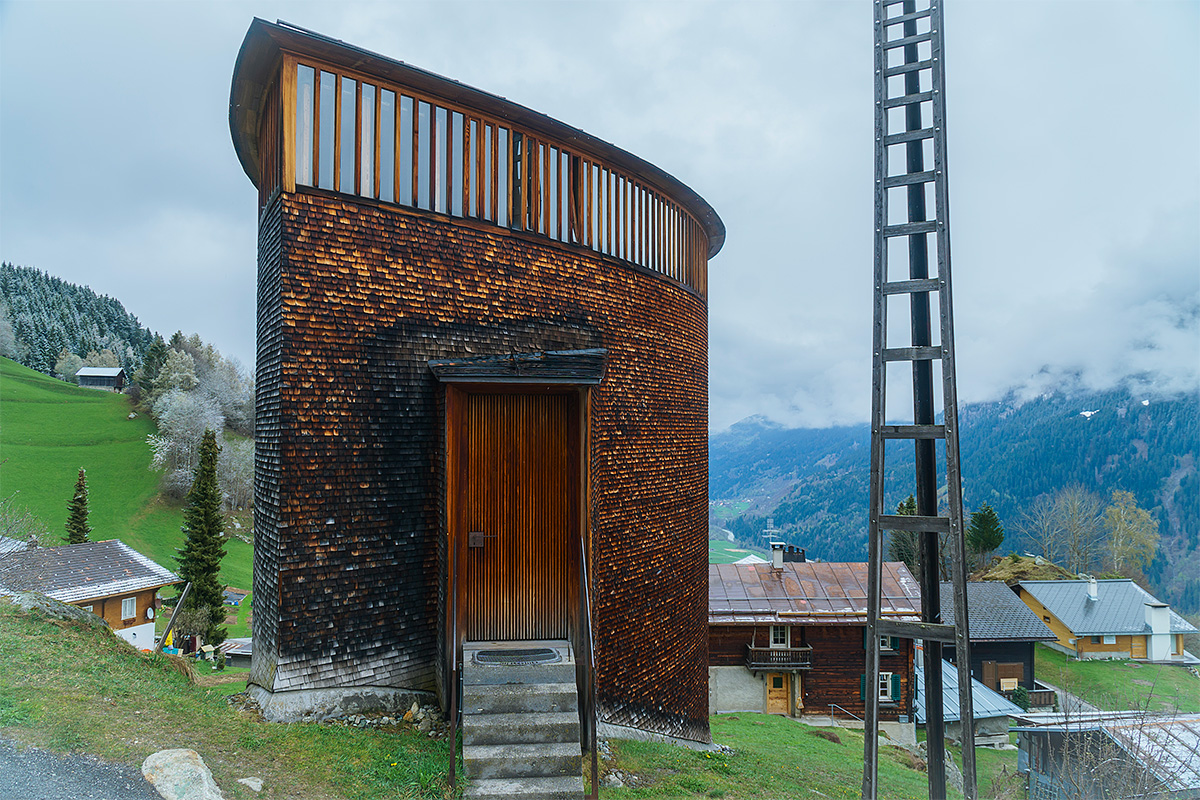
(895, 642)
(866, 640)
(896, 687)
(862, 687)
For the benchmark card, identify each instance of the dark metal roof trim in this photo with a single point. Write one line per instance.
(573, 367)
(265, 41)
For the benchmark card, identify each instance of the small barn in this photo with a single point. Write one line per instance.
(110, 378)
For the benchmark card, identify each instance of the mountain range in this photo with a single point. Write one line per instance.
(813, 483)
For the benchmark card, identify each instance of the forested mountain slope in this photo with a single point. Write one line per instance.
(40, 315)
(814, 482)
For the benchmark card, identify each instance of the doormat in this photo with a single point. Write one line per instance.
(517, 658)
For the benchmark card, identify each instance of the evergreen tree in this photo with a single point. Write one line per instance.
(903, 545)
(77, 527)
(204, 544)
(984, 532)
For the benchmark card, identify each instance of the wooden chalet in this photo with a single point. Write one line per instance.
(1108, 619)
(482, 390)
(1003, 633)
(110, 579)
(789, 637)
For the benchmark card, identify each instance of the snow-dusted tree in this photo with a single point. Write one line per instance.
(226, 382)
(67, 365)
(77, 512)
(9, 347)
(178, 372)
(104, 358)
(235, 470)
(182, 419)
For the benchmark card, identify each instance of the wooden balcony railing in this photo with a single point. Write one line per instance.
(778, 658)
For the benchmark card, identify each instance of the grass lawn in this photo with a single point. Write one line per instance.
(71, 688)
(775, 757)
(1121, 685)
(725, 552)
(51, 429)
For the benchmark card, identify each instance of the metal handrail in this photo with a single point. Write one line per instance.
(455, 649)
(832, 706)
(585, 625)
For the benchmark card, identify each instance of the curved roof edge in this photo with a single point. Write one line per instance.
(260, 53)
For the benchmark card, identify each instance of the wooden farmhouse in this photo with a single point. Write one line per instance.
(110, 579)
(1003, 633)
(1108, 619)
(789, 637)
(482, 390)
(110, 378)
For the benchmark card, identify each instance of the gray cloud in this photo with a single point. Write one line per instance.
(1073, 144)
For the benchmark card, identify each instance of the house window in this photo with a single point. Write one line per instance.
(889, 643)
(885, 687)
(779, 636)
(1095, 640)
(86, 608)
(1110, 638)
(129, 608)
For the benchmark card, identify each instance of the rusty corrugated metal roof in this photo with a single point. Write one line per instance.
(806, 592)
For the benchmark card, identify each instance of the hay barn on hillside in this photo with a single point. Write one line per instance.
(482, 385)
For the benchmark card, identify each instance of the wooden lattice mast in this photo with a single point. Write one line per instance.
(910, 122)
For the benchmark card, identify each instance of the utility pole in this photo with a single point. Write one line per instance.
(910, 171)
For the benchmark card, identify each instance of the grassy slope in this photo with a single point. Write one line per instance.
(724, 552)
(1121, 685)
(68, 687)
(49, 429)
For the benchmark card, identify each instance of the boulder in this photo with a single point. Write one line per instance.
(180, 774)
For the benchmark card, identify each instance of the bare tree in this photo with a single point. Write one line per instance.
(1039, 524)
(1082, 521)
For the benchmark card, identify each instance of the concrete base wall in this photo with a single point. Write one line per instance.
(140, 636)
(733, 689)
(315, 705)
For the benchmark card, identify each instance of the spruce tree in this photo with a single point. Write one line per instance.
(903, 545)
(984, 533)
(204, 543)
(77, 527)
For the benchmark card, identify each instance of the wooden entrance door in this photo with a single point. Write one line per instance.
(1137, 647)
(778, 693)
(521, 497)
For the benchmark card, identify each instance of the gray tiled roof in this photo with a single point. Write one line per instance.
(996, 614)
(99, 372)
(1120, 606)
(77, 572)
(985, 702)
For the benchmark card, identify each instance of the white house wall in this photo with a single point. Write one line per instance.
(140, 636)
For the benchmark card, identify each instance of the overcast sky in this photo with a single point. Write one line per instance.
(1074, 163)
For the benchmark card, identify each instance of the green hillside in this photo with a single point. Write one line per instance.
(49, 429)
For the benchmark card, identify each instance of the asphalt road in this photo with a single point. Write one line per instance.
(32, 774)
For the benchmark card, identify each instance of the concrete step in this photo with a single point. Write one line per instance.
(522, 760)
(515, 697)
(556, 788)
(527, 728)
(492, 674)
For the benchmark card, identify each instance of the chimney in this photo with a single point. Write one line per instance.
(1093, 593)
(777, 558)
(794, 555)
(1158, 617)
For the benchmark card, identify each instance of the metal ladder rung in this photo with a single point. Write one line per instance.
(916, 630)
(908, 99)
(914, 285)
(920, 37)
(889, 3)
(908, 136)
(900, 69)
(905, 522)
(909, 178)
(908, 17)
(910, 228)
(913, 431)
(912, 354)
